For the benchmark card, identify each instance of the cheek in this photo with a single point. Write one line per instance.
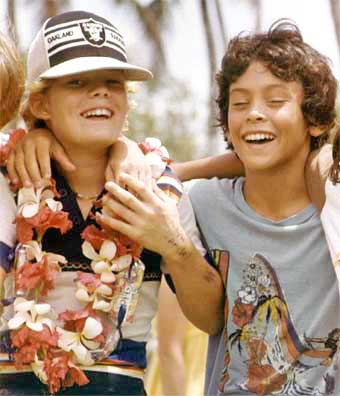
(234, 122)
(288, 118)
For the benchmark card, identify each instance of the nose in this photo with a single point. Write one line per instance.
(255, 115)
(99, 89)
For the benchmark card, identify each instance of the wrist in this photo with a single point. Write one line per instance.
(179, 248)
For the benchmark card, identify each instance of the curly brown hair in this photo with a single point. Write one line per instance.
(283, 51)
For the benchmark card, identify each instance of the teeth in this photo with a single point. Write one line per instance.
(97, 113)
(258, 136)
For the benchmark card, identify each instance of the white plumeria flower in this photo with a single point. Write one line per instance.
(104, 263)
(33, 251)
(4, 138)
(29, 200)
(99, 296)
(156, 163)
(156, 144)
(81, 343)
(31, 314)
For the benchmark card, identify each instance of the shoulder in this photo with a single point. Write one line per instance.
(318, 166)
(210, 188)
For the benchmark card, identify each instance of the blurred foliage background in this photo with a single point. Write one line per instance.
(166, 107)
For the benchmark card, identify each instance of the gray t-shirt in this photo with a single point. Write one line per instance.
(282, 302)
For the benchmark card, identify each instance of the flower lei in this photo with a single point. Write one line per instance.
(56, 345)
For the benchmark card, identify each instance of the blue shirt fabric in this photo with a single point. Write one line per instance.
(282, 318)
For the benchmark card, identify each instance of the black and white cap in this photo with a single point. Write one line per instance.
(76, 42)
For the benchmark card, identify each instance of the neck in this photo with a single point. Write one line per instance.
(90, 166)
(276, 194)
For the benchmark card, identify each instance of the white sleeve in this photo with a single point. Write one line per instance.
(7, 213)
(188, 222)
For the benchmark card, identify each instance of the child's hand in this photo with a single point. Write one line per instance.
(147, 216)
(126, 157)
(30, 161)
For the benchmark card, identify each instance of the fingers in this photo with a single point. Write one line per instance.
(145, 177)
(31, 165)
(20, 168)
(59, 154)
(43, 158)
(109, 174)
(139, 188)
(113, 206)
(125, 197)
(12, 173)
(117, 225)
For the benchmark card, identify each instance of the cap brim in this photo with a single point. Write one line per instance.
(85, 64)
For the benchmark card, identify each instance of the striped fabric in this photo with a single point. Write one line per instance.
(170, 184)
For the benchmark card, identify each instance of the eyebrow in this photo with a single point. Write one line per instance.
(267, 87)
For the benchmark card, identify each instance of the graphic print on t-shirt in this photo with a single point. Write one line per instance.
(275, 358)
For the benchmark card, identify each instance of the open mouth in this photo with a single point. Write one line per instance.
(97, 114)
(259, 138)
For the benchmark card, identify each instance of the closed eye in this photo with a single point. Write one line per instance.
(239, 104)
(277, 100)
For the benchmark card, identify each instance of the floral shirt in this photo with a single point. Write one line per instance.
(282, 322)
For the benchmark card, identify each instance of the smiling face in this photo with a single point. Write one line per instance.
(265, 121)
(84, 110)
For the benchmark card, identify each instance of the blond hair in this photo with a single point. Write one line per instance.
(12, 80)
(35, 88)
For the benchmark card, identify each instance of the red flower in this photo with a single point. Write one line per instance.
(242, 313)
(75, 320)
(41, 274)
(61, 372)
(14, 136)
(50, 219)
(126, 246)
(264, 380)
(29, 343)
(95, 236)
(42, 221)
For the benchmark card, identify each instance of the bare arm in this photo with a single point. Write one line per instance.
(151, 219)
(317, 170)
(226, 165)
(30, 161)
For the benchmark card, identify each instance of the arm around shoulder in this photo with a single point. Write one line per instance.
(199, 286)
(226, 165)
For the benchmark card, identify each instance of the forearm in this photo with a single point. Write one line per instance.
(199, 288)
(226, 165)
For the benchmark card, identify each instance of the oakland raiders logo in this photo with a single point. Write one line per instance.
(93, 32)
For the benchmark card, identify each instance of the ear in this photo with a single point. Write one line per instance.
(316, 131)
(39, 106)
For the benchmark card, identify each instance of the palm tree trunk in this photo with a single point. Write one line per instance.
(256, 4)
(212, 70)
(222, 24)
(11, 25)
